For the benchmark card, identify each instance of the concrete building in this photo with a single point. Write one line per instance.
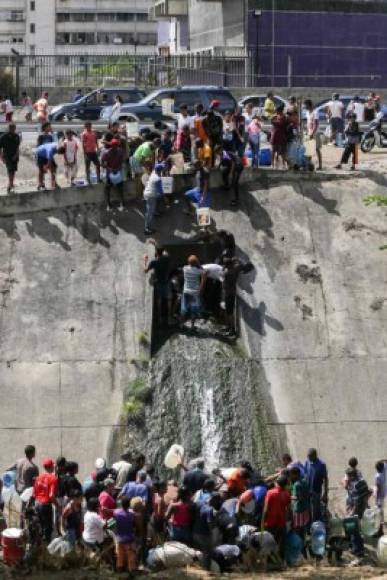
(67, 27)
(287, 42)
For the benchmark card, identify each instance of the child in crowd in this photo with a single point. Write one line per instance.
(71, 146)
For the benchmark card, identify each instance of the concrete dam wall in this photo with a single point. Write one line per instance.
(312, 366)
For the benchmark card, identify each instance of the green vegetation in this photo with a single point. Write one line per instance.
(138, 395)
(143, 339)
(378, 199)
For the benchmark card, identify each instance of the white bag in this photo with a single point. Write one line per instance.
(59, 547)
(167, 184)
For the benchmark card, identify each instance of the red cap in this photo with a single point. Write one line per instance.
(48, 462)
(214, 104)
(115, 142)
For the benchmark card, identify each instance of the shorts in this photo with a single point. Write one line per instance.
(190, 304)
(194, 195)
(11, 165)
(92, 158)
(43, 162)
(337, 124)
(230, 304)
(319, 140)
(162, 290)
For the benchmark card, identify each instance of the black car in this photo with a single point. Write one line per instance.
(151, 107)
(89, 107)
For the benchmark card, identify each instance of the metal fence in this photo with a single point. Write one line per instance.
(37, 72)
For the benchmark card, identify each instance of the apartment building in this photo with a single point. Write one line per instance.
(63, 27)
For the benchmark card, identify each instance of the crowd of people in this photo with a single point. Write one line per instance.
(223, 514)
(194, 290)
(197, 142)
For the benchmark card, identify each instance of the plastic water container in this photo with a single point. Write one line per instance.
(9, 478)
(293, 548)
(370, 522)
(265, 156)
(382, 551)
(12, 541)
(336, 528)
(174, 456)
(318, 538)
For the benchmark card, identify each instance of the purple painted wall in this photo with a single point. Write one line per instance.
(325, 49)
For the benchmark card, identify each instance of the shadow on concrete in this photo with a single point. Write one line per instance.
(42, 227)
(9, 226)
(313, 192)
(256, 317)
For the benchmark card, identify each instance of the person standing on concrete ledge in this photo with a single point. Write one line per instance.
(46, 163)
(316, 474)
(9, 153)
(312, 126)
(153, 189)
(112, 160)
(90, 150)
(194, 280)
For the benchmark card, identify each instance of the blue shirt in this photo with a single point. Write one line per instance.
(315, 474)
(133, 489)
(204, 517)
(46, 151)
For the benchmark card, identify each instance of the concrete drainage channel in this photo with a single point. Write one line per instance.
(201, 390)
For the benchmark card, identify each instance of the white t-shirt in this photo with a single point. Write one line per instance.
(8, 106)
(93, 528)
(336, 108)
(122, 467)
(214, 271)
(185, 122)
(358, 109)
(153, 187)
(311, 117)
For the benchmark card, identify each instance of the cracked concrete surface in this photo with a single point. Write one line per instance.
(73, 302)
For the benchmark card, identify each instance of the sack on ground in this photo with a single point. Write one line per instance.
(171, 555)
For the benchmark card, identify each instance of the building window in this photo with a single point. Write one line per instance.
(63, 17)
(32, 28)
(141, 17)
(32, 49)
(32, 5)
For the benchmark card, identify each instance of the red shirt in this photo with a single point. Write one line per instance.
(89, 141)
(46, 487)
(107, 505)
(276, 504)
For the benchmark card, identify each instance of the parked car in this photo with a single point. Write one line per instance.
(258, 102)
(322, 108)
(89, 107)
(151, 107)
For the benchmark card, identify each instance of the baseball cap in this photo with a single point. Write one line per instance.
(48, 462)
(159, 167)
(214, 104)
